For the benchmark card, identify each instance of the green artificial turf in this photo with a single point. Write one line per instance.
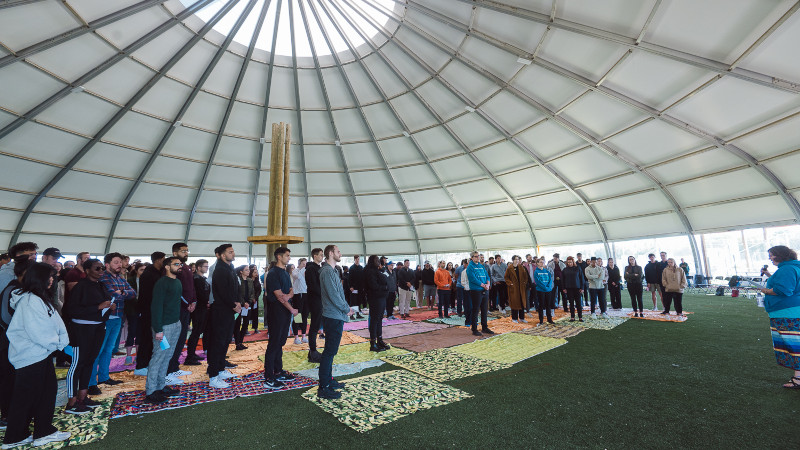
(710, 382)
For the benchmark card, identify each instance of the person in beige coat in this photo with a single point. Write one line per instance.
(517, 284)
(673, 278)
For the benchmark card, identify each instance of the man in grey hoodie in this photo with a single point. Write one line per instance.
(334, 313)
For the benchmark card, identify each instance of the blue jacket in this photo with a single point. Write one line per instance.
(544, 280)
(786, 284)
(457, 275)
(477, 275)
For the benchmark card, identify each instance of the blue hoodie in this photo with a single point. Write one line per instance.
(786, 284)
(477, 275)
(35, 331)
(544, 280)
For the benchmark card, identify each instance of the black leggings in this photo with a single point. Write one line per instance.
(315, 310)
(616, 296)
(669, 297)
(635, 291)
(573, 297)
(35, 389)
(377, 303)
(299, 303)
(87, 340)
(546, 303)
(390, 303)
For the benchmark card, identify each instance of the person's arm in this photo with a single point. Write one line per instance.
(781, 284)
(128, 293)
(157, 309)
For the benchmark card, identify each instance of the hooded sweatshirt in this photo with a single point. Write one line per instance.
(786, 284)
(544, 280)
(35, 332)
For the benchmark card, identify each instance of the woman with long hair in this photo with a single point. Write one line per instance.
(516, 278)
(633, 281)
(674, 281)
(377, 290)
(573, 284)
(256, 295)
(246, 293)
(782, 303)
(34, 333)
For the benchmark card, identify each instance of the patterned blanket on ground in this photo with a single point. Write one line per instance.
(556, 330)
(403, 329)
(341, 370)
(90, 427)
(364, 324)
(131, 403)
(505, 325)
(599, 323)
(509, 348)
(454, 321)
(656, 315)
(446, 337)
(374, 400)
(445, 364)
(420, 314)
(294, 361)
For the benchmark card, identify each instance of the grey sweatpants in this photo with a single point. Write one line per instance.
(157, 370)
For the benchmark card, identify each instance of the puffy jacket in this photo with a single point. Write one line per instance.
(786, 284)
(673, 279)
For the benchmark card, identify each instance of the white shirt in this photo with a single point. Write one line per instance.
(299, 281)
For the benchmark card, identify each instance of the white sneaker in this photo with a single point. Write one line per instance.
(181, 373)
(172, 381)
(305, 339)
(605, 315)
(141, 372)
(523, 320)
(297, 340)
(515, 320)
(594, 316)
(224, 375)
(218, 383)
(25, 441)
(58, 436)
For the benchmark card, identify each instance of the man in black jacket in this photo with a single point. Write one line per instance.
(202, 290)
(652, 275)
(225, 289)
(357, 288)
(145, 337)
(583, 264)
(314, 301)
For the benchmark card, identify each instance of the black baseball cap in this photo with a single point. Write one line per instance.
(52, 251)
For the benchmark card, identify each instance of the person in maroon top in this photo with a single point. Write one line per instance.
(188, 303)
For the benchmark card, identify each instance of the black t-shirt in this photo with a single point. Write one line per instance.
(277, 279)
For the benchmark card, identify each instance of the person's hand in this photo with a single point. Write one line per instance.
(159, 336)
(351, 289)
(104, 305)
(294, 312)
(237, 309)
(564, 291)
(352, 311)
(113, 307)
(118, 292)
(580, 290)
(408, 284)
(191, 307)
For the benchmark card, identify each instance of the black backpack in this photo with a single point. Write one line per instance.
(6, 311)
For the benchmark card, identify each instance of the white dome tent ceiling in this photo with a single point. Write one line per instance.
(418, 126)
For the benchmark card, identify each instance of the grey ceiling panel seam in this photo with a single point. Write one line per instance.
(354, 98)
(424, 156)
(321, 79)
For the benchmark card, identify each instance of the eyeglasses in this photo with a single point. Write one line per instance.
(98, 268)
(177, 264)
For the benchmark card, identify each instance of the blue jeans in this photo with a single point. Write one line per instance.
(100, 366)
(444, 301)
(459, 300)
(119, 332)
(333, 336)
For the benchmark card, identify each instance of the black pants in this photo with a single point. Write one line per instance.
(573, 297)
(6, 376)
(315, 310)
(616, 296)
(533, 303)
(34, 395)
(240, 328)
(253, 316)
(677, 297)
(198, 326)
(186, 316)
(559, 294)
(480, 305)
(278, 318)
(635, 291)
(377, 303)
(299, 303)
(390, 303)
(517, 314)
(145, 339)
(86, 342)
(586, 297)
(546, 305)
(444, 302)
(502, 295)
(216, 341)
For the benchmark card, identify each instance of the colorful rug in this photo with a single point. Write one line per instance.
(374, 400)
(364, 324)
(656, 315)
(509, 348)
(132, 403)
(354, 353)
(446, 337)
(90, 427)
(445, 364)
(598, 323)
(556, 330)
(505, 325)
(341, 370)
(453, 321)
(403, 329)
(423, 314)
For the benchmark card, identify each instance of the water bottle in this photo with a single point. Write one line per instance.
(760, 299)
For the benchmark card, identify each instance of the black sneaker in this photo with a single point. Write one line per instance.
(337, 384)
(3, 424)
(488, 331)
(156, 398)
(328, 393)
(91, 404)
(111, 382)
(170, 392)
(77, 409)
(284, 376)
(476, 333)
(273, 384)
(314, 356)
(191, 362)
(94, 390)
(230, 365)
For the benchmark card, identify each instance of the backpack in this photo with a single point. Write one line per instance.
(6, 311)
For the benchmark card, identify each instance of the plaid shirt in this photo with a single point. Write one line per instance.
(113, 283)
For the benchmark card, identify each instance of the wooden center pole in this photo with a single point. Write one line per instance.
(286, 169)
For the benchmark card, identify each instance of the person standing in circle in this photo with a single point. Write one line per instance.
(782, 303)
(377, 291)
